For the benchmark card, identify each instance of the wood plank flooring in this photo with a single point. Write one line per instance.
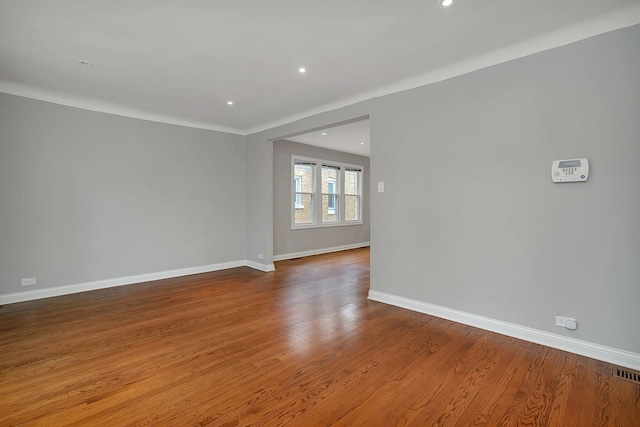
(301, 346)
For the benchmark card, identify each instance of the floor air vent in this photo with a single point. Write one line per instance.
(626, 374)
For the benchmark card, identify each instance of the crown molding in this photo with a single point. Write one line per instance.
(106, 107)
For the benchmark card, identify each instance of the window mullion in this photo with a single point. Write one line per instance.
(341, 196)
(317, 187)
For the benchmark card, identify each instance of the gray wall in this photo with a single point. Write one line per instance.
(87, 196)
(259, 200)
(470, 219)
(286, 240)
(491, 234)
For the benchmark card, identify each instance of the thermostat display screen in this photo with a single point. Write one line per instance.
(570, 164)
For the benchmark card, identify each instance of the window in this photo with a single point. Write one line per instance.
(325, 193)
(303, 191)
(329, 193)
(352, 185)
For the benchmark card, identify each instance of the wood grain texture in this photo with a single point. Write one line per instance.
(301, 346)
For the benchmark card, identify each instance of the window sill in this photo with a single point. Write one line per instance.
(324, 225)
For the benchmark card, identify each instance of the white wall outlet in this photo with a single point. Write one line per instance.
(566, 322)
(29, 282)
(260, 256)
(381, 187)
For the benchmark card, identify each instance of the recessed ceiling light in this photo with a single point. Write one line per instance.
(324, 133)
(446, 3)
(229, 102)
(362, 143)
(302, 70)
(85, 62)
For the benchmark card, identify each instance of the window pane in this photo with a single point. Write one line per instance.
(352, 208)
(297, 188)
(332, 199)
(303, 193)
(305, 172)
(329, 211)
(303, 209)
(329, 177)
(351, 182)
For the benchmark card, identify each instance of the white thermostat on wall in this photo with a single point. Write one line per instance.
(570, 170)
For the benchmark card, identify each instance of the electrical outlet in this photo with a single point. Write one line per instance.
(29, 282)
(260, 256)
(562, 321)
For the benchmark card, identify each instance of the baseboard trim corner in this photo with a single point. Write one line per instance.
(262, 267)
(320, 251)
(584, 348)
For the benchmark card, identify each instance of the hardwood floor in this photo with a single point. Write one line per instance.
(300, 346)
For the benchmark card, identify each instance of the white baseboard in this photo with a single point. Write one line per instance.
(595, 351)
(129, 280)
(262, 267)
(320, 251)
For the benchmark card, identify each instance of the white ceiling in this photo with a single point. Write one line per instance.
(350, 138)
(180, 61)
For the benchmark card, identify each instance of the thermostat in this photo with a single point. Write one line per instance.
(570, 170)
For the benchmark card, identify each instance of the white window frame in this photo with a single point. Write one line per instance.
(317, 193)
(297, 179)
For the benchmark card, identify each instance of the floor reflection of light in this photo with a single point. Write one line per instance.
(328, 327)
(314, 324)
(350, 312)
(299, 338)
(314, 319)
